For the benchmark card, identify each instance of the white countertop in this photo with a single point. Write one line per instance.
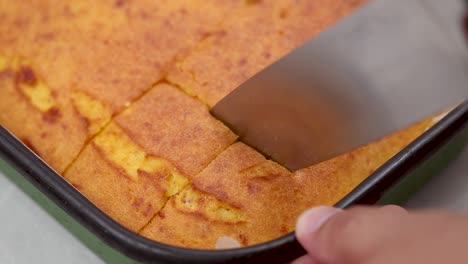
(28, 234)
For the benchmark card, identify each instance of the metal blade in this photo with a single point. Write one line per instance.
(385, 66)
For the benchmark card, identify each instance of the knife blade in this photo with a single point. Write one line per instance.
(382, 68)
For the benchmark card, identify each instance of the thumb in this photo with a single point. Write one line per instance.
(331, 235)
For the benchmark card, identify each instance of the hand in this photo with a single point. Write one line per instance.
(386, 235)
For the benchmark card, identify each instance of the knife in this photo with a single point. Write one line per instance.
(380, 69)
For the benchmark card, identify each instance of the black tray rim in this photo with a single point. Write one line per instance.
(281, 250)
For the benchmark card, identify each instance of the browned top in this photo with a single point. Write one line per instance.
(110, 51)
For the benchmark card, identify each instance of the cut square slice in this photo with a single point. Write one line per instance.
(121, 179)
(328, 182)
(240, 196)
(44, 118)
(168, 123)
(251, 39)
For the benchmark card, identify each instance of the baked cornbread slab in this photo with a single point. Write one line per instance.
(147, 154)
(115, 96)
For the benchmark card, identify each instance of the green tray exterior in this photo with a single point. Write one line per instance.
(398, 194)
(413, 181)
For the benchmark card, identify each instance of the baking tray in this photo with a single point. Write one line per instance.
(393, 179)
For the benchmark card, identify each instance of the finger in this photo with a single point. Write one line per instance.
(350, 236)
(310, 222)
(394, 209)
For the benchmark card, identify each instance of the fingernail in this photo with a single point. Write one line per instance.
(311, 220)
